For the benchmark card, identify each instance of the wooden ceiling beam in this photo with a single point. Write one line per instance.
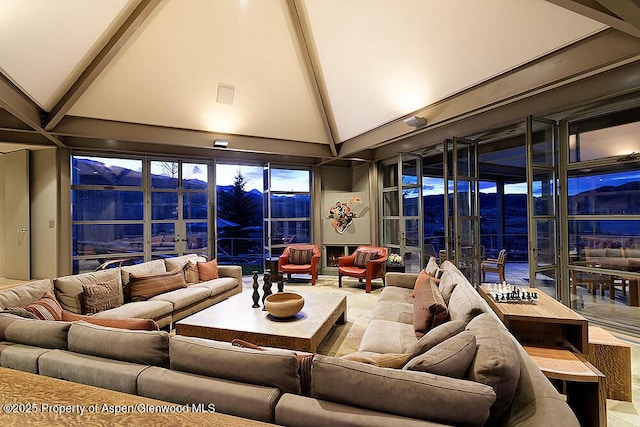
(131, 25)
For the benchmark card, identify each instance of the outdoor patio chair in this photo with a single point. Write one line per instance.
(494, 265)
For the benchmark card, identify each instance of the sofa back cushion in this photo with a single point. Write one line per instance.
(70, 291)
(135, 346)
(21, 295)
(38, 333)
(496, 362)
(450, 358)
(154, 266)
(418, 394)
(448, 282)
(437, 335)
(145, 286)
(268, 367)
(178, 261)
(432, 266)
(465, 303)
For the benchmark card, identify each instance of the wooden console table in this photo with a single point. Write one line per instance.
(579, 380)
(547, 323)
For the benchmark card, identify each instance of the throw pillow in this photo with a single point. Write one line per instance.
(421, 280)
(300, 256)
(496, 363)
(208, 270)
(101, 296)
(191, 272)
(47, 308)
(145, 286)
(20, 311)
(429, 309)
(383, 360)
(363, 256)
(450, 358)
(120, 323)
(431, 266)
(437, 335)
(305, 361)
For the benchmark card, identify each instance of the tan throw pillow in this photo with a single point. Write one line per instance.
(47, 308)
(100, 296)
(383, 360)
(145, 286)
(437, 335)
(191, 272)
(429, 309)
(362, 257)
(421, 280)
(450, 358)
(431, 266)
(300, 256)
(208, 270)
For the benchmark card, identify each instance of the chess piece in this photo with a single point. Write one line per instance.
(256, 295)
(266, 287)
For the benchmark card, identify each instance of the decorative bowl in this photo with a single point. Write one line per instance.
(284, 304)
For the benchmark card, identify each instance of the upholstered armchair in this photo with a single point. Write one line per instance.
(367, 262)
(300, 259)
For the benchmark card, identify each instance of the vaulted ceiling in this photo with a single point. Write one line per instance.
(315, 79)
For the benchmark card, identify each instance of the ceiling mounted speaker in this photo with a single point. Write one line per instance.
(415, 122)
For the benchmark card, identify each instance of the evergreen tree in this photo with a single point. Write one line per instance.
(237, 206)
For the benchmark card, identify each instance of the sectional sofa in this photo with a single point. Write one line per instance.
(390, 381)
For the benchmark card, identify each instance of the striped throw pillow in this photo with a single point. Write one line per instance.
(300, 256)
(47, 308)
(362, 257)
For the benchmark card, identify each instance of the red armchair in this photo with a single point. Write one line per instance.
(362, 267)
(300, 259)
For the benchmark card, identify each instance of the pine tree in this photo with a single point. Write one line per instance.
(237, 206)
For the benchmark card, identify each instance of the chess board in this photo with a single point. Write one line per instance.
(505, 293)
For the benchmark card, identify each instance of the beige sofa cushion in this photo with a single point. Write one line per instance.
(178, 261)
(496, 363)
(135, 346)
(448, 282)
(436, 336)
(21, 295)
(418, 395)
(38, 333)
(450, 358)
(431, 267)
(387, 336)
(270, 367)
(465, 304)
(70, 292)
(154, 266)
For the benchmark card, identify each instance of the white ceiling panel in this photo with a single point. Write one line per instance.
(169, 73)
(45, 45)
(384, 59)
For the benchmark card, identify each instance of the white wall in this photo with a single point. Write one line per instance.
(3, 264)
(44, 210)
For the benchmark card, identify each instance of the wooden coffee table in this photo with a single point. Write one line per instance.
(235, 318)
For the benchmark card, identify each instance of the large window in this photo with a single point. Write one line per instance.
(109, 218)
(603, 210)
(287, 208)
(107, 197)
